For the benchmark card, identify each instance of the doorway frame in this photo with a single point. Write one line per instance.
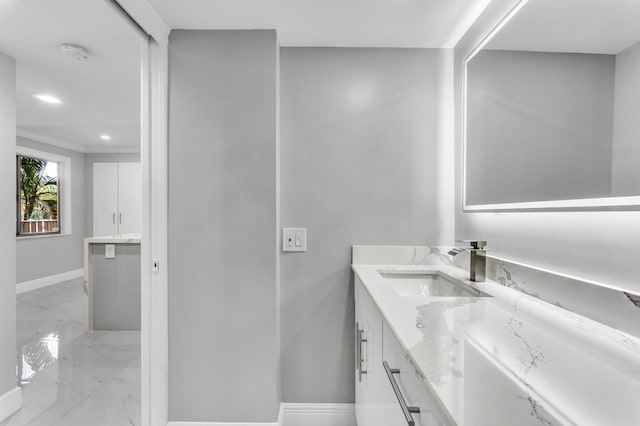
(154, 158)
(155, 194)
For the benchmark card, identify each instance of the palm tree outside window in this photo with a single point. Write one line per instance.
(38, 189)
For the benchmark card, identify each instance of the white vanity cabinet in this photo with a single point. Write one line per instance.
(378, 391)
(410, 384)
(375, 401)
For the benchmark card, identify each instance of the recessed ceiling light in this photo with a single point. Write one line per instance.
(47, 98)
(105, 137)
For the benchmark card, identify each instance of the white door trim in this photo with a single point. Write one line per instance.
(147, 18)
(154, 161)
(154, 157)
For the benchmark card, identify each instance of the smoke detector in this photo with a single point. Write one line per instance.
(74, 51)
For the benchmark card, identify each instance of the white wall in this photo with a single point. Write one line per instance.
(364, 161)
(40, 257)
(626, 130)
(7, 224)
(596, 245)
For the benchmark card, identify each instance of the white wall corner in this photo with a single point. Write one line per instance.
(25, 286)
(10, 402)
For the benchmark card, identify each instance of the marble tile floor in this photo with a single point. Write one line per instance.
(70, 377)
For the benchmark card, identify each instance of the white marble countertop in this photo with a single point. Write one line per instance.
(512, 359)
(115, 239)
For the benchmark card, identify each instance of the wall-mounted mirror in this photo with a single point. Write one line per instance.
(552, 108)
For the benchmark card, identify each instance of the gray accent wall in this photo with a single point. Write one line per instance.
(89, 159)
(223, 287)
(7, 224)
(362, 144)
(49, 255)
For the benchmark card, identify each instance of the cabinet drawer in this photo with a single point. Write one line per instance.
(410, 384)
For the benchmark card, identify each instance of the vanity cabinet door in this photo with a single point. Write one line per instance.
(411, 386)
(375, 405)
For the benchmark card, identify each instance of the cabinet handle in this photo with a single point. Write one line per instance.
(120, 218)
(406, 410)
(114, 218)
(359, 360)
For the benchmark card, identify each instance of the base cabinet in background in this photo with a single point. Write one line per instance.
(376, 401)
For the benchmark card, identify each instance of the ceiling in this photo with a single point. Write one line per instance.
(345, 23)
(99, 96)
(579, 26)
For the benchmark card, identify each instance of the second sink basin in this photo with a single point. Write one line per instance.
(428, 284)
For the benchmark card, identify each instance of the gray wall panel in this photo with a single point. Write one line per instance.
(360, 143)
(7, 224)
(116, 285)
(223, 296)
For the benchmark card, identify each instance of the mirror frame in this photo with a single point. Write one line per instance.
(587, 204)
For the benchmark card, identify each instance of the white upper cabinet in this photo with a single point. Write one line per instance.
(117, 199)
(105, 199)
(129, 198)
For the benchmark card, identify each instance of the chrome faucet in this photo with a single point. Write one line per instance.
(478, 266)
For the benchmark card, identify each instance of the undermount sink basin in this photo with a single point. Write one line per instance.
(429, 284)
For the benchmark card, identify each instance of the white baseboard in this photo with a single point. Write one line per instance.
(10, 402)
(292, 414)
(318, 414)
(25, 286)
(276, 423)
(220, 424)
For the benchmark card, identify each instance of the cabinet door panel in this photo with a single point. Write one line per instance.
(412, 387)
(105, 199)
(130, 198)
(375, 406)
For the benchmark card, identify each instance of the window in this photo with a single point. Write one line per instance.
(38, 206)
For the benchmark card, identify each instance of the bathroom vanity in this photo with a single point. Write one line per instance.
(433, 348)
(112, 280)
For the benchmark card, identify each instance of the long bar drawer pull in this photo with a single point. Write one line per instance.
(359, 360)
(406, 410)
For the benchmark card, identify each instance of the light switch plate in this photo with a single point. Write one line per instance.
(294, 239)
(110, 251)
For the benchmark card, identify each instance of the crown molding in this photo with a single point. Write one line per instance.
(39, 137)
(109, 149)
